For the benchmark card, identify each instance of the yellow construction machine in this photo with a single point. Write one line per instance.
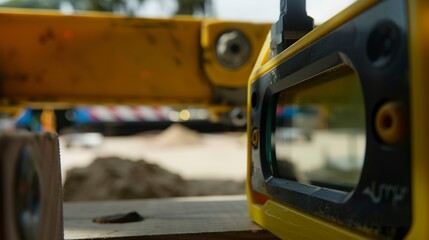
(354, 87)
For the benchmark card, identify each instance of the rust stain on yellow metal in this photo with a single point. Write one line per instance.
(96, 58)
(99, 58)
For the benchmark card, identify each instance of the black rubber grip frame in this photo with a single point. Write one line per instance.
(381, 202)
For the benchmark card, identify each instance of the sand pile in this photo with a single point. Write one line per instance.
(112, 178)
(177, 135)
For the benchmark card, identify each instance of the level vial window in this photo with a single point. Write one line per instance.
(319, 134)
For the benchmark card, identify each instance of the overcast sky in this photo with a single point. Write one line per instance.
(249, 10)
(268, 10)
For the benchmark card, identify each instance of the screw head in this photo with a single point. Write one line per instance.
(232, 49)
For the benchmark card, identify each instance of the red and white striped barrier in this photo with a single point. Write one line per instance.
(128, 113)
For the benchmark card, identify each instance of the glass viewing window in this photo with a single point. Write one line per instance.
(319, 135)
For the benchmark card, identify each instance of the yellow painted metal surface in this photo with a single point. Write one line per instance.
(230, 77)
(280, 219)
(54, 57)
(102, 58)
(419, 69)
(288, 222)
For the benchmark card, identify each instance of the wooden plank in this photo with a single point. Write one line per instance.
(218, 217)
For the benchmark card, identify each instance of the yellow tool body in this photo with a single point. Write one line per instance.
(283, 216)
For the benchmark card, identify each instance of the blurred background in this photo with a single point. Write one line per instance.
(246, 10)
(125, 152)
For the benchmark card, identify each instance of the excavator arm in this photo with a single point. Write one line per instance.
(65, 60)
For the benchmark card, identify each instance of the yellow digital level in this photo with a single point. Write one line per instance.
(337, 124)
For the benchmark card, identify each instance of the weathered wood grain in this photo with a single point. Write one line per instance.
(174, 218)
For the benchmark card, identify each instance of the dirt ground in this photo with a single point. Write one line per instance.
(175, 162)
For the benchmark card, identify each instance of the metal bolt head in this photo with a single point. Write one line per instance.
(254, 138)
(233, 49)
(238, 117)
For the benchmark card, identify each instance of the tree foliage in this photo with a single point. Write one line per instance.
(47, 4)
(185, 7)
